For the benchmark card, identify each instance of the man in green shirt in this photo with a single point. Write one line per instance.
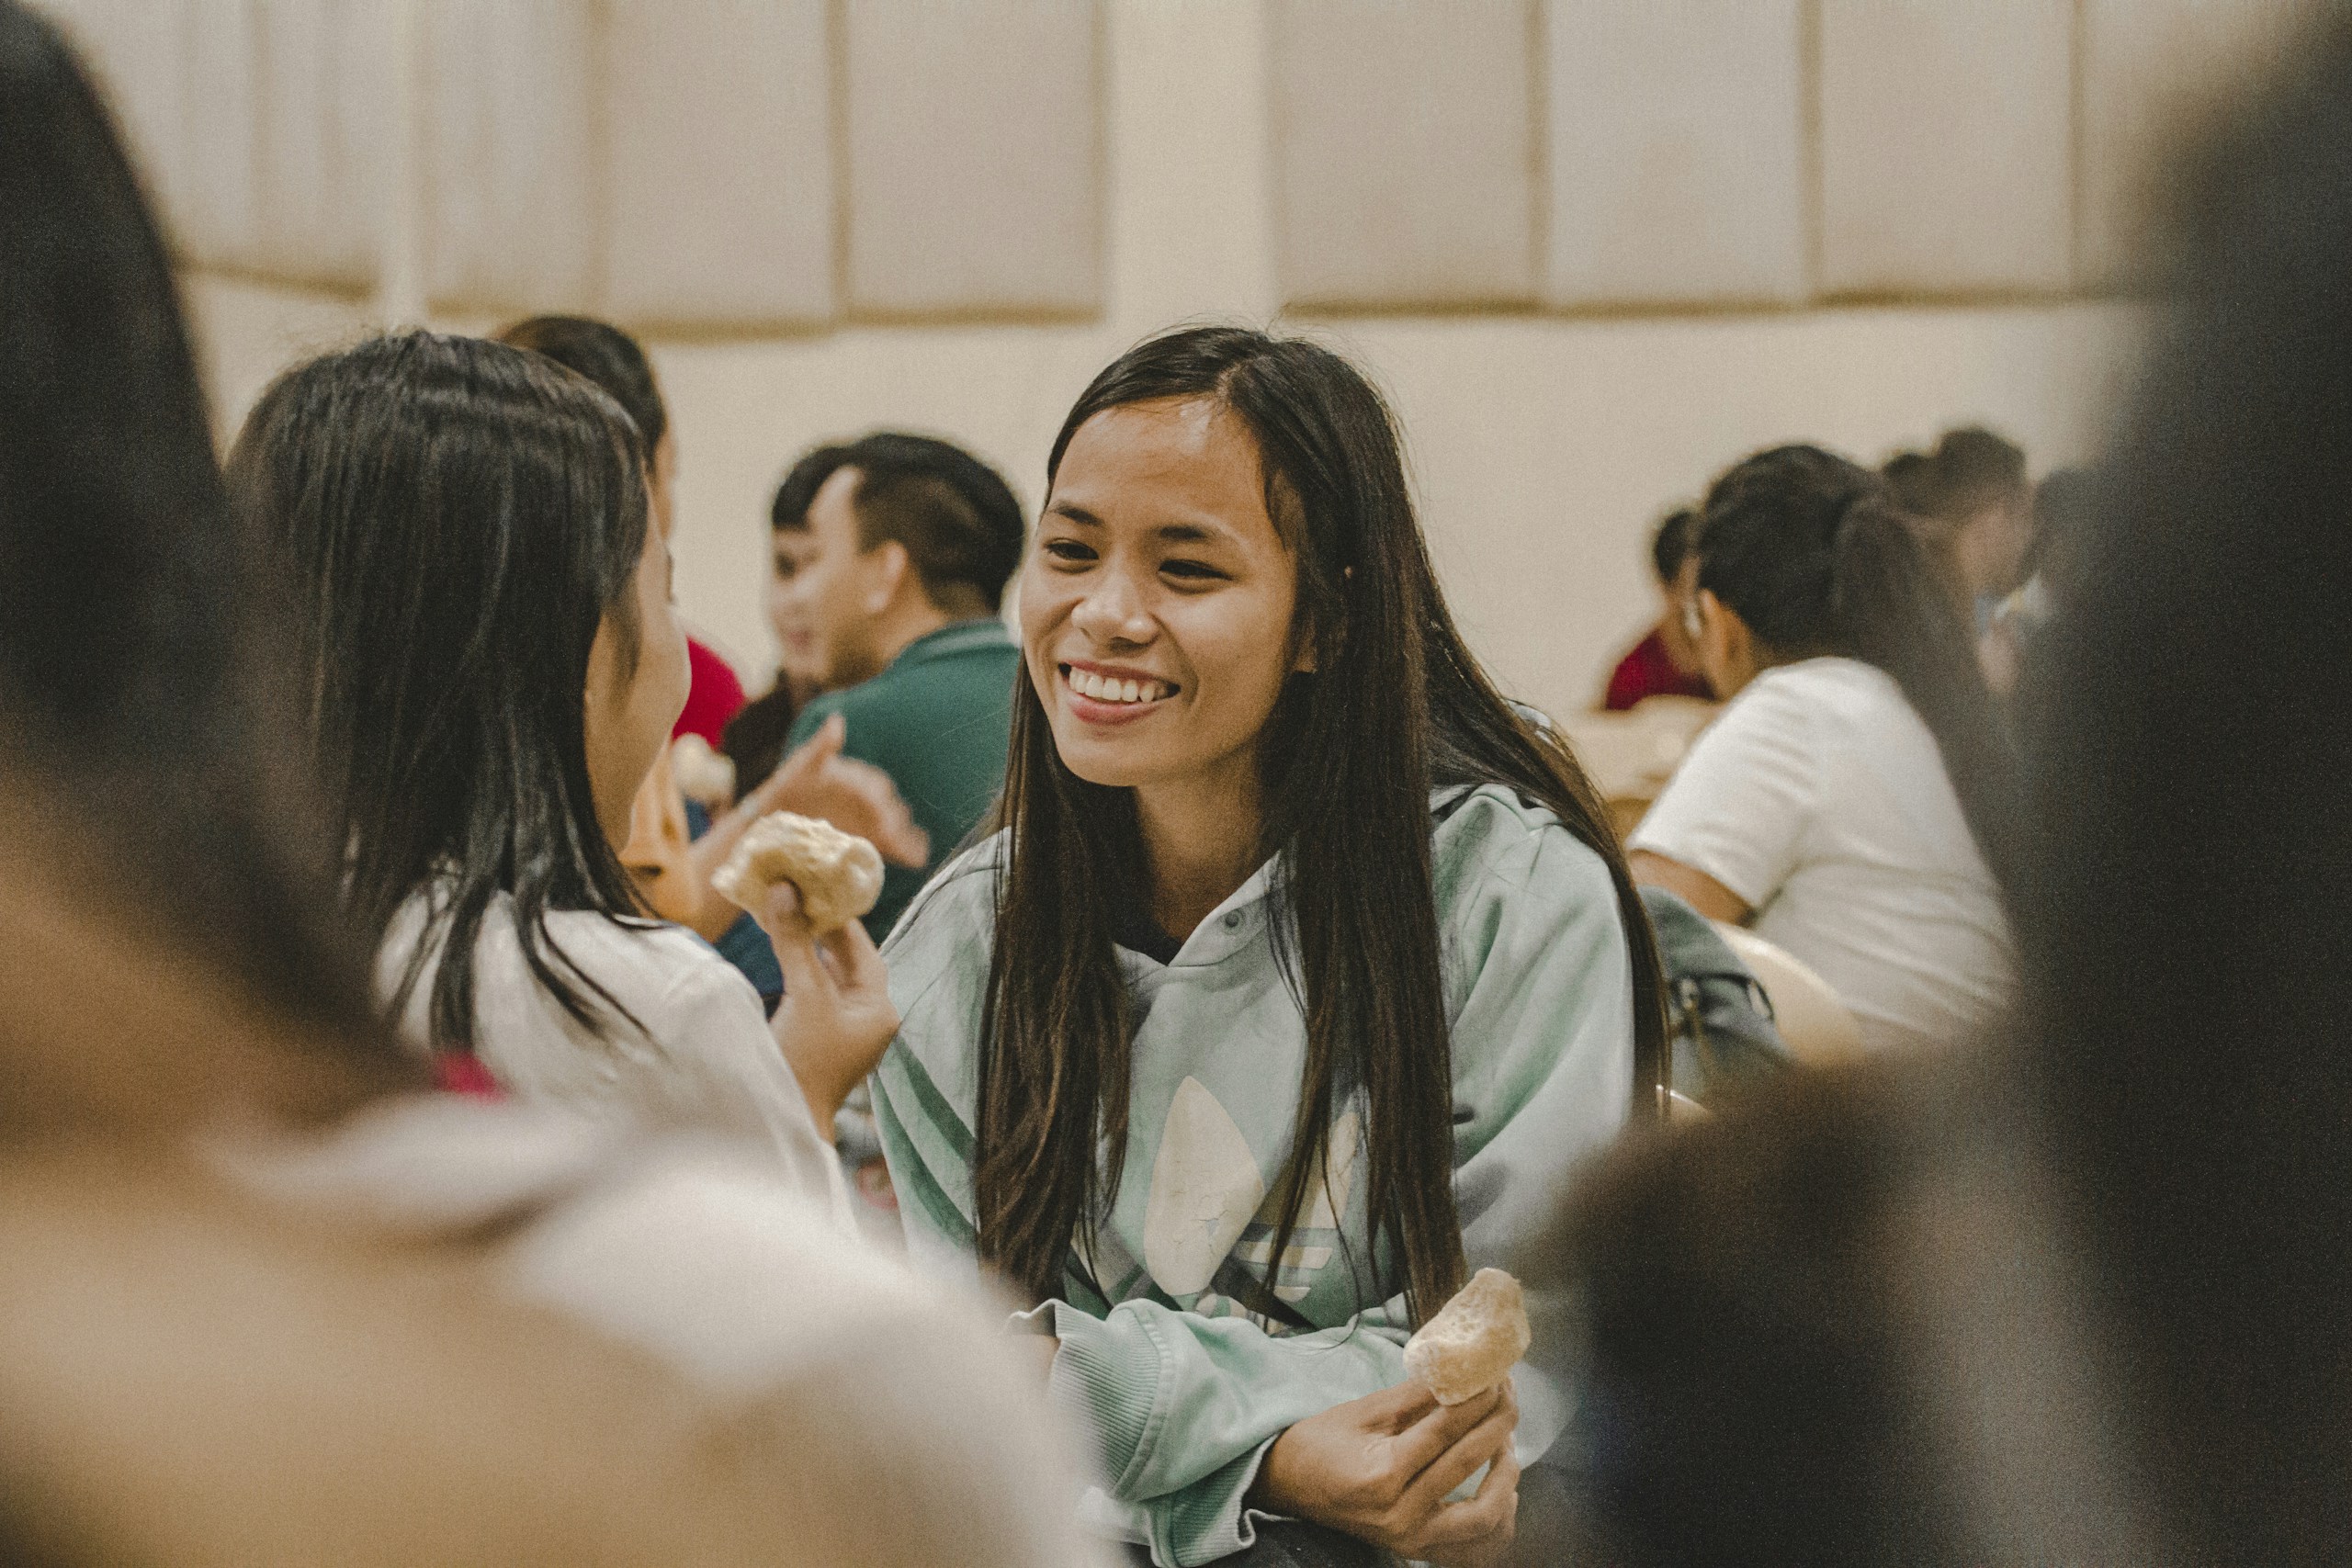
(892, 554)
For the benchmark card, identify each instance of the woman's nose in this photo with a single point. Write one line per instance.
(1113, 611)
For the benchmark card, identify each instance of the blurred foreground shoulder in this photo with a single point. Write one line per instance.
(809, 1353)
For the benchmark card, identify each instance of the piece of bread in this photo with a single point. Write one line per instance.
(839, 875)
(702, 774)
(1469, 1346)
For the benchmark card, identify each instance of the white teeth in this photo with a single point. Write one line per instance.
(1103, 689)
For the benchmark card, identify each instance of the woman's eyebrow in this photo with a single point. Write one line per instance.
(1168, 533)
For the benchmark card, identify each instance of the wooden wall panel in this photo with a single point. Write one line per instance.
(756, 165)
(326, 122)
(2153, 73)
(1675, 153)
(513, 203)
(216, 210)
(135, 50)
(975, 157)
(1946, 146)
(1404, 151)
(719, 124)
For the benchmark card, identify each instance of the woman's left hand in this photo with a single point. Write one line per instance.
(1381, 1468)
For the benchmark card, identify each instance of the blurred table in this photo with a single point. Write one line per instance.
(1629, 756)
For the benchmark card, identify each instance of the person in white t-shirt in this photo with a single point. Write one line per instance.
(482, 617)
(1856, 798)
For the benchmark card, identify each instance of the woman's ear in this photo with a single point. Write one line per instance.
(1727, 647)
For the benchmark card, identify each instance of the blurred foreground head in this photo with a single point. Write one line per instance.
(137, 788)
(2187, 940)
(2084, 1296)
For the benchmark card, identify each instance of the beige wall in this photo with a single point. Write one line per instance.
(1543, 446)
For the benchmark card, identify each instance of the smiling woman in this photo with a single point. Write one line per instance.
(1159, 624)
(1311, 971)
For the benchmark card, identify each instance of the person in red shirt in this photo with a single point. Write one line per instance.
(613, 360)
(1664, 663)
(716, 696)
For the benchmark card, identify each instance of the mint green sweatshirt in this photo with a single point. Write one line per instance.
(1182, 1387)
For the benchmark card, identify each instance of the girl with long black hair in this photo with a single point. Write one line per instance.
(1300, 974)
(492, 666)
(1857, 799)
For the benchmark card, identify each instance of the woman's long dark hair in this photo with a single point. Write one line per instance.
(1808, 549)
(1395, 706)
(130, 624)
(455, 519)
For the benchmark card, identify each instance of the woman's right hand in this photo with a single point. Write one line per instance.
(1379, 1468)
(857, 797)
(836, 1018)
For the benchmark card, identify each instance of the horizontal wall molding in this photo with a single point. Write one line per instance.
(1703, 156)
(715, 168)
(711, 167)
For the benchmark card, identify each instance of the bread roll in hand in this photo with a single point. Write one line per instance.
(1473, 1343)
(839, 875)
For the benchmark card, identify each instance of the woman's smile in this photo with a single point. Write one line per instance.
(1110, 694)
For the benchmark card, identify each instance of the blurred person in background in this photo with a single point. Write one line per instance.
(755, 740)
(2062, 504)
(1666, 661)
(892, 553)
(260, 1302)
(1856, 800)
(614, 361)
(1910, 476)
(1974, 507)
(2079, 1298)
(492, 667)
(1301, 974)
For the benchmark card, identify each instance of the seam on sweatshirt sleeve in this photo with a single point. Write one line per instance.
(1209, 1520)
(1113, 1370)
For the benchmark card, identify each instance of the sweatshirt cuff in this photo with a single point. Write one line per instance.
(1109, 1375)
(1207, 1521)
